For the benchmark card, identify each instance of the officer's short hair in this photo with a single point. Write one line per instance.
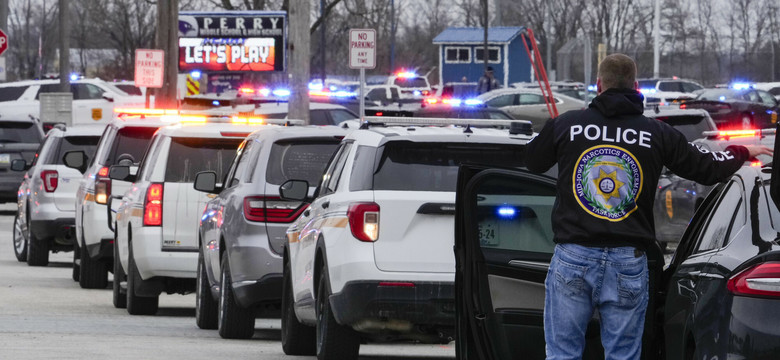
(617, 71)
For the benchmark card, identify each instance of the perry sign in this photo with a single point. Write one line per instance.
(362, 48)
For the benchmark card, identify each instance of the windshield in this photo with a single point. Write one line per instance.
(690, 126)
(19, 132)
(130, 143)
(189, 156)
(300, 160)
(411, 82)
(406, 165)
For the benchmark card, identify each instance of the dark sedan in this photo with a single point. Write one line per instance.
(737, 108)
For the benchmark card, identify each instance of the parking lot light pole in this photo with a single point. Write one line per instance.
(64, 46)
(656, 39)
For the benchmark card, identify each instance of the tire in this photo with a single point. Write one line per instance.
(297, 338)
(205, 306)
(119, 296)
(233, 320)
(92, 273)
(334, 341)
(76, 259)
(37, 250)
(20, 240)
(138, 305)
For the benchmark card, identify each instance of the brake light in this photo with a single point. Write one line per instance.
(364, 221)
(379, 113)
(50, 180)
(683, 106)
(102, 186)
(760, 280)
(272, 209)
(153, 205)
(431, 101)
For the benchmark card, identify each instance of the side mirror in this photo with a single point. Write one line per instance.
(76, 160)
(19, 165)
(108, 97)
(206, 181)
(121, 173)
(294, 190)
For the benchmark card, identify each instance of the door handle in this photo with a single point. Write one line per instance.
(326, 204)
(306, 213)
(535, 265)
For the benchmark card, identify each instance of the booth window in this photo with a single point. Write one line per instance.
(457, 55)
(494, 54)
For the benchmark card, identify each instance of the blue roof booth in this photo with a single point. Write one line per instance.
(461, 54)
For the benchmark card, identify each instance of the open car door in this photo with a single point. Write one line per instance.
(503, 247)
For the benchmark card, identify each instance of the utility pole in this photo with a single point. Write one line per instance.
(167, 40)
(323, 27)
(299, 47)
(64, 46)
(656, 40)
(4, 27)
(485, 39)
(392, 36)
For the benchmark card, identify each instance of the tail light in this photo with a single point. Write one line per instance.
(760, 280)
(683, 106)
(364, 221)
(102, 186)
(153, 205)
(272, 209)
(50, 180)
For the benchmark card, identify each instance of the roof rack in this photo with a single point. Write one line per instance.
(516, 127)
(729, 134)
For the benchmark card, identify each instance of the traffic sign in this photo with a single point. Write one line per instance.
(149, 68)
(3, 42)
(362, 48)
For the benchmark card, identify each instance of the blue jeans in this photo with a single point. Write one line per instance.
(582, 279)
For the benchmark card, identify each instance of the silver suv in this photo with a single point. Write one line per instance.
(19, 139)
(46, 211)
(242, 230)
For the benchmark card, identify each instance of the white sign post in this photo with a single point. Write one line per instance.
(362, 55)
(149, 69)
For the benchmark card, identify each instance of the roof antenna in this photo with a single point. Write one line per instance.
(468, 129)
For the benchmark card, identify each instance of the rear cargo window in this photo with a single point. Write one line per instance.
(189, 156)
(690, 126)
(88, 144)
(301, 160)
(410, 166)
(19, 132)
(130, 142)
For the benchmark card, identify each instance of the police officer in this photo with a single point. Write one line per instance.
(609, 159)
(487, 81)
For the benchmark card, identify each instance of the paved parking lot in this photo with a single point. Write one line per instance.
(44, 315)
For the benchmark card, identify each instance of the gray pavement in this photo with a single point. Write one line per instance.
(46, 315)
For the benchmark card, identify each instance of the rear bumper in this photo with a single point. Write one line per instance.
(102, 250)
(267, 290)
(753, 332)
(152, 261)
(426, 303)
(61, 230)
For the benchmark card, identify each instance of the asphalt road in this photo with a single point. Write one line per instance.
(46, 315)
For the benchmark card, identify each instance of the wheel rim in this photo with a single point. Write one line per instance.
(19, 240)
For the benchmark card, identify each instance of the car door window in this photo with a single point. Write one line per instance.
(340, 116)
(727, 215)
(240, 163)
(86, 92)
(331, 177)
(377, 94)
(670, 86)
(690, 87)
(767, 98)
(319, 117)
(752, 96)
(502, 100)
(531, 99)
(497, 115)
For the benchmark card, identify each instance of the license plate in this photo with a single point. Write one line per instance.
(5, 158)
(487, 233)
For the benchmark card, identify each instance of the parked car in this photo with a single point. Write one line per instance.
(156, 242)
(529, 104)
(665, 91)
(319, 113)
(371, 259)
(123, 142)
(45, 216)
(412, 86)
(770, 87)
(716, 299)
(743, 108)
(459, 110)
(242, 230)
(20, 138)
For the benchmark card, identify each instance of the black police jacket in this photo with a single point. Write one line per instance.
(609, 159)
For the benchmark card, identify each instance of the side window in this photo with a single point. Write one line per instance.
(11, 93)
(47, 88)
(690, 87)
(531, 99)
(717, 229)
(145, 168)
(502, 100)
(240, 163)
(775, 91)
(319, 117)
(394, 93)
(104, 146)
(670, 86)
(330, 178)
(767, 98)
(377, 94)
(340, 116)
(86, 92)
(752, 96)
(497, 115)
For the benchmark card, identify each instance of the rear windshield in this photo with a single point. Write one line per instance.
(301, 160)
(19, 132)
(130, 143)
(414, 166)
(720, 95)
(690, 126)
(189, 156)
(11, 93)
(416, 82)
(88, 144)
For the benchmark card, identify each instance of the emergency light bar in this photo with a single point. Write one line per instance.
(523, 127)
(204, 116)
(731, 134)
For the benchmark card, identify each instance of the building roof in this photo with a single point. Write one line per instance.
(475, 35)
